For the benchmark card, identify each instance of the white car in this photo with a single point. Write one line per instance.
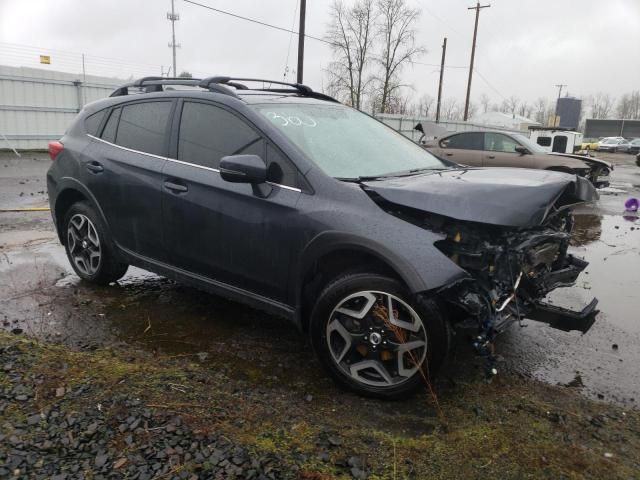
(611, 144)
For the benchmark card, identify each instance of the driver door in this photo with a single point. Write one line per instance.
(228, 232)
(500, 151)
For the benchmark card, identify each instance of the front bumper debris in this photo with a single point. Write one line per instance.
(565, 319)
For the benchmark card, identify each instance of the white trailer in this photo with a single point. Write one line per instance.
(557, 140)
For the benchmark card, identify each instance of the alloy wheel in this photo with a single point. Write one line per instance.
(376, 338)
(84, 244)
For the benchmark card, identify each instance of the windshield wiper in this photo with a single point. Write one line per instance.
(406, 173)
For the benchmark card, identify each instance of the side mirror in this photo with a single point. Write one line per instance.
(243, 169)
(522, 150)
(419, 128)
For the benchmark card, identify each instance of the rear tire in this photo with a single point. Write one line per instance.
(90, 249)
(369, 352)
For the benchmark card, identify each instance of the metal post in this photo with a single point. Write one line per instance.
(303, 13)
(444, 53)
(477, 8)
(84, 81)
(173, 16)
(78, 85)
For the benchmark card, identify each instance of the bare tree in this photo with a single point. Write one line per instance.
(397, 26)
(450, 109)
(185, 74)
(629, 106)
(601, 105)
(351, 35)
(540, 110)
(424, 107)
(485, 101)
(473, 110)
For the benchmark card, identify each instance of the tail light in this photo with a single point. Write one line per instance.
(54, 149)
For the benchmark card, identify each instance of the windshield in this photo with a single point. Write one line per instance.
(531, 146)
(346, 143)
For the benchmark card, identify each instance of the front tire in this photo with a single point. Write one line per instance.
(374, 338)
(89, 247)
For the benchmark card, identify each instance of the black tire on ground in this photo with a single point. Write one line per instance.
(108, 267)
(435, 327)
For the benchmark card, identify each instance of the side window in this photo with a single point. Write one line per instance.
(544, 141)
(143, 126)
(465, 141)
(208, 133)
(498, 142)
(109, 132)
(92, 122)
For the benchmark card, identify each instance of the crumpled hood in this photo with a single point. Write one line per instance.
(591, 161)
(512, 197)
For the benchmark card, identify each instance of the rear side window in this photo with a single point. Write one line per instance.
(143, 126)
(465, 141)
(110, 129)
(544, 141)
(92, 122)
(208, 133)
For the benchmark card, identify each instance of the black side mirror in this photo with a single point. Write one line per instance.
(243, 169)
(522, 150)
(419, 128)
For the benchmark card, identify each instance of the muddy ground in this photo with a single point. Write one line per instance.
(564, 405)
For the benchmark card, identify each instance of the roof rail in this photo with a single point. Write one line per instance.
(303, 90)
(155, 84)
(219, 84)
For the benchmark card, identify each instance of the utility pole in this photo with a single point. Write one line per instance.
(444, 53)
(477, 8)
(84, 81)
(555, 115)
(303, 14)
(174, 17)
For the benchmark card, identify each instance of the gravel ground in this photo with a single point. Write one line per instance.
(119, 437)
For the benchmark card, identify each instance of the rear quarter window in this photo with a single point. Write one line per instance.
(92, 122)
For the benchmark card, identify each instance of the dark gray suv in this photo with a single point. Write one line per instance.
(285, 199)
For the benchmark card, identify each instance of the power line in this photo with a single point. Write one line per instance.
(488, 83)
(259, 22)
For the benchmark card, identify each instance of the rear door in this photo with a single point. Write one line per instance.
(500, 151)
(232, 233)
(124, 167)
(463, 148)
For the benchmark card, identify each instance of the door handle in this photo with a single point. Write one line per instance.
(95, 167)
(491, 157)
(449, 154)
(175, 187)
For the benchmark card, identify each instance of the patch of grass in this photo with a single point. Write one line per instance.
(513, 428)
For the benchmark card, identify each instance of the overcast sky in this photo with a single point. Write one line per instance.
(525, 47)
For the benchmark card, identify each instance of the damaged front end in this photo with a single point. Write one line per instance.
(514, 254)
(511, 271)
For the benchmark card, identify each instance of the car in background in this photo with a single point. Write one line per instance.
(611, 144)
(504, 149)
(634, 146)
(589, 146)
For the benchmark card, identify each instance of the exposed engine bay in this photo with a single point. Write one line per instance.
(511, 268)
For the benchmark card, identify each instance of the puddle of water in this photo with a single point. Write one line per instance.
(611, 245)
